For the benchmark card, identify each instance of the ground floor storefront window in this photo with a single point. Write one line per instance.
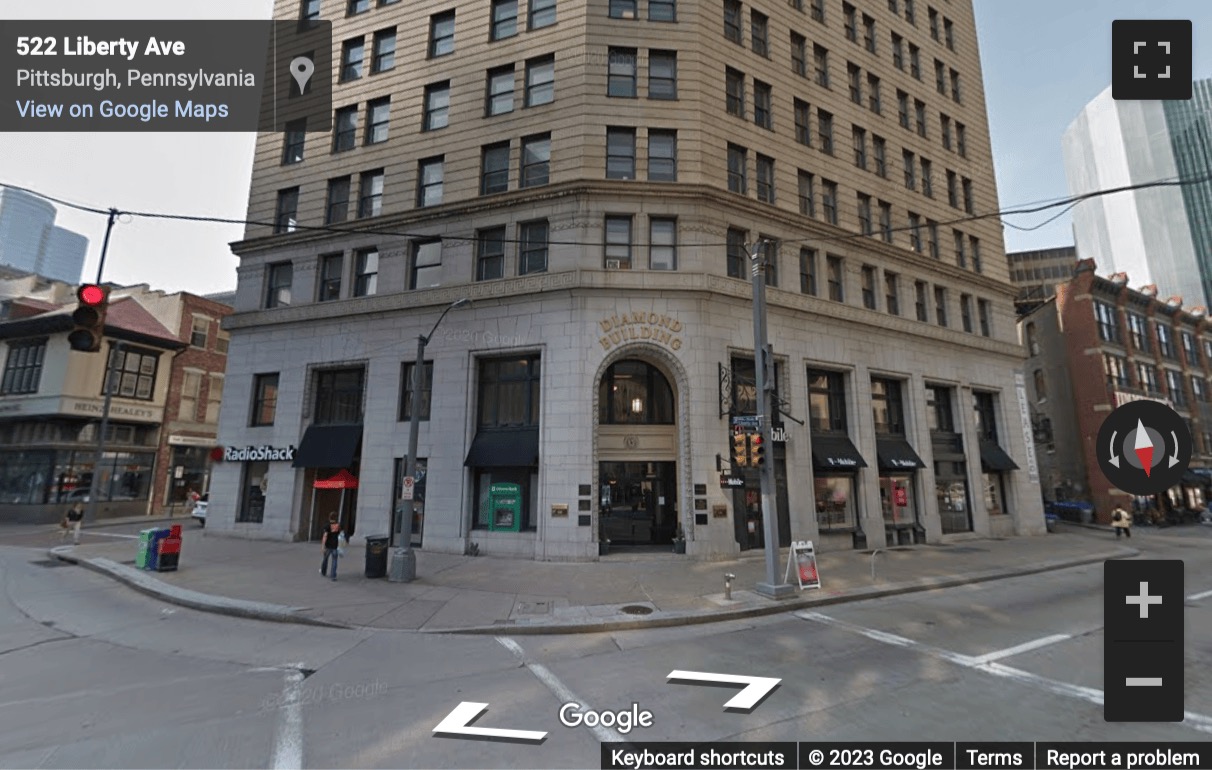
(835, 506)
(254, 485)
(525, 478)
(951, 490)
(189, 469)
(38, 477)
(995, 493)
(898, 501)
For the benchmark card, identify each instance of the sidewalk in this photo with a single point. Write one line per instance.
(281, 581)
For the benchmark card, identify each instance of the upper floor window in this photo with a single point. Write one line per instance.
(437, 106)
(618, 242)
(504, 19)
(265, 399)
(1165, 341)
(131, 372)
(732, 20)
(635, 393)
(430, 178)
(621, 80)
(760, 37)
(540, 81)
(490, 253)
(339, 396)
(509, 392)
(536, 160)
(23, 368)
(286, 218)
(532, 247)
(662, 10)
(1108, 322)
(662, 155)
(426, 265)
(199, 333)
(424, 389)
(1138, 331)
(441, 34)
(542, 13)
(662, 243)
(332, 268)
(366, 272)
(345, 129)
(887, 406)
(826, 401)
(293, 141)
(353, 52)
(662, 74)
(278, 282)
(939, 416)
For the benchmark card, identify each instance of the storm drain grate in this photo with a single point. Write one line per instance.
(48, 563)
(635, 609)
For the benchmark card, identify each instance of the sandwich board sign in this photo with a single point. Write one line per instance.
(802, 559)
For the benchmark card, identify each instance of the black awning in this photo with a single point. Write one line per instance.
(328, 446)
(995, 459)
(509, 448)
(895, 454)
(835, 453)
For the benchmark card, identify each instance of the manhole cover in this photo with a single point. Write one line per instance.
(636, 609)
(49, 563)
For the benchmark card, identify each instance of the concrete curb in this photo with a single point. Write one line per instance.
(221, 605)
(278, 613)
(777, 606)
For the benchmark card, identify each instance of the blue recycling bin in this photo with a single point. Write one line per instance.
(152, 561)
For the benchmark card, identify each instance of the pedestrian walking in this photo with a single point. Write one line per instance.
(72, 521)
(1122, 521)
(333, 539)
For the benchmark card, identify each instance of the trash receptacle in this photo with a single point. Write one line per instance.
(146, 540)
(376, 556)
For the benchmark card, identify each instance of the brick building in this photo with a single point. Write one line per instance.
(1097, 345)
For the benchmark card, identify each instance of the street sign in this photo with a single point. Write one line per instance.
(746, 421)
(406, 489)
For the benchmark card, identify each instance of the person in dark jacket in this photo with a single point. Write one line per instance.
(332, 545)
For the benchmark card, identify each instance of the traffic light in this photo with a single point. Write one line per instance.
(740, 450)
(757, 450)
(89, 318)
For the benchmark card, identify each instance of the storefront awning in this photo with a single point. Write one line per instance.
(994, 458)
(835, 453)
(328, 446)
(509, 448)
(895, 454)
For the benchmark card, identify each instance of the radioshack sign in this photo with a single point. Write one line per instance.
(258, 454)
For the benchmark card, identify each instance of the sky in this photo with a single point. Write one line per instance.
(1043, 60)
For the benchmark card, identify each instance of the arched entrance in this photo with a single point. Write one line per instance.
(637, 442)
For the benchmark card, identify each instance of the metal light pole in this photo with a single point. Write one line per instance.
(403, 558)
(763, 366)
(90, 514)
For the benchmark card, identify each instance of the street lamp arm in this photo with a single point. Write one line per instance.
(457, 303)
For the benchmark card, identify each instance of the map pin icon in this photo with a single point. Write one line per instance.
(301, 68)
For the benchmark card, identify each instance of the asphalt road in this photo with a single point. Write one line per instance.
(93, 675)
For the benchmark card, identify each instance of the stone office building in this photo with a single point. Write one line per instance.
(599, 208)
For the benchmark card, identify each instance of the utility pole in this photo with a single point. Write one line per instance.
(763, 370)
(115, 355)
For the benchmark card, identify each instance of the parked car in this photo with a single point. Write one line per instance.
(199, 511)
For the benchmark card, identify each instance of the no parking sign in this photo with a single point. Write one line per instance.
(406, 488)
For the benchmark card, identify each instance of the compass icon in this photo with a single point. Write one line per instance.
(1144, 447)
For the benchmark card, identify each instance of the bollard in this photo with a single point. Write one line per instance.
(873, 554)
(728, 578)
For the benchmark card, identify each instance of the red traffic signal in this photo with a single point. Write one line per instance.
(89, 318)
(757, 450)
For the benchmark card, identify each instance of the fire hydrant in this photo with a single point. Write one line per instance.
(728, 578)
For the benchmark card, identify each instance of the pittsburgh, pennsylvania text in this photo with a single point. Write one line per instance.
(99, 81)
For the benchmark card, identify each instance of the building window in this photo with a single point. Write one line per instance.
(762, 105)
(494, 168)
(662, 10)
(1174, 387)
(331, 268)
(345, 129)
(887, 407)
(760, 37)
(1138, 332)
(807, 201)
(826, 401)
(902, 108)
(915, 232)
(286, 217)
(836, 278)
(293, 141)
(932, 235)
(504, 19)
(353, 53)
(983, 315)
(1165, 342)
(933, 16)
(732, 21)
(855, 77)
(859, 137)
(662, 74)
(618, 243)
(898, 51)
(131, 372)
(437, 106)
(1198, 390)
(910, 163)
(337, 207)
(430, 173)
(490, 253)
(424, 390)
(919, 113)
(955, 86)
(949, 33)
(370, 194)
(662, 243)
(309, 10)
(265, 399)
(921, 301)
(355, 7)
(961, 258)
(940, 305)
(426, 265)
(808, 271)
(966, 312)
(864, 214)
(366, 271)
(850, 22)
(532, 254)
(803, 130)
(969, 204)
(961, 143)
(868, 284)
(509, 392)
(940, 77)
(1189, 349)
(540, 80)
(536, 160)
(737, 255)
(892, 294)
(873, 94)
(817, 10)
(662, 156)
(869, 33)
(1108, 322)
(1146, 375)
(910, 15)
(824, 129)
(441, 34)
(952, 189)
(635, 393)
(944, 123)
(214, 399)
(765, 178)
(500, 91)
(23, 367)
(829, 200)
(384, 53)
(927, 178)
(736, 169)
(339, 396)
(879, 149)
(734, 89)
(278, 282)
(799, 54)
(620, 153)
(1116, 369)
(542, 13)
(378, 114)
(915, 61)
(820, 58)
(886, 221)
(621, 76)
(199, 332)
(974, 249)
(1041, 386)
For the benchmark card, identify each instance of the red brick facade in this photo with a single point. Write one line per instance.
(191, 414)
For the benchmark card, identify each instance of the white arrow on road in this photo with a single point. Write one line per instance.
(456, 723)
(756, 687)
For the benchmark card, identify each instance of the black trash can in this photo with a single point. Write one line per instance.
(376, 556)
